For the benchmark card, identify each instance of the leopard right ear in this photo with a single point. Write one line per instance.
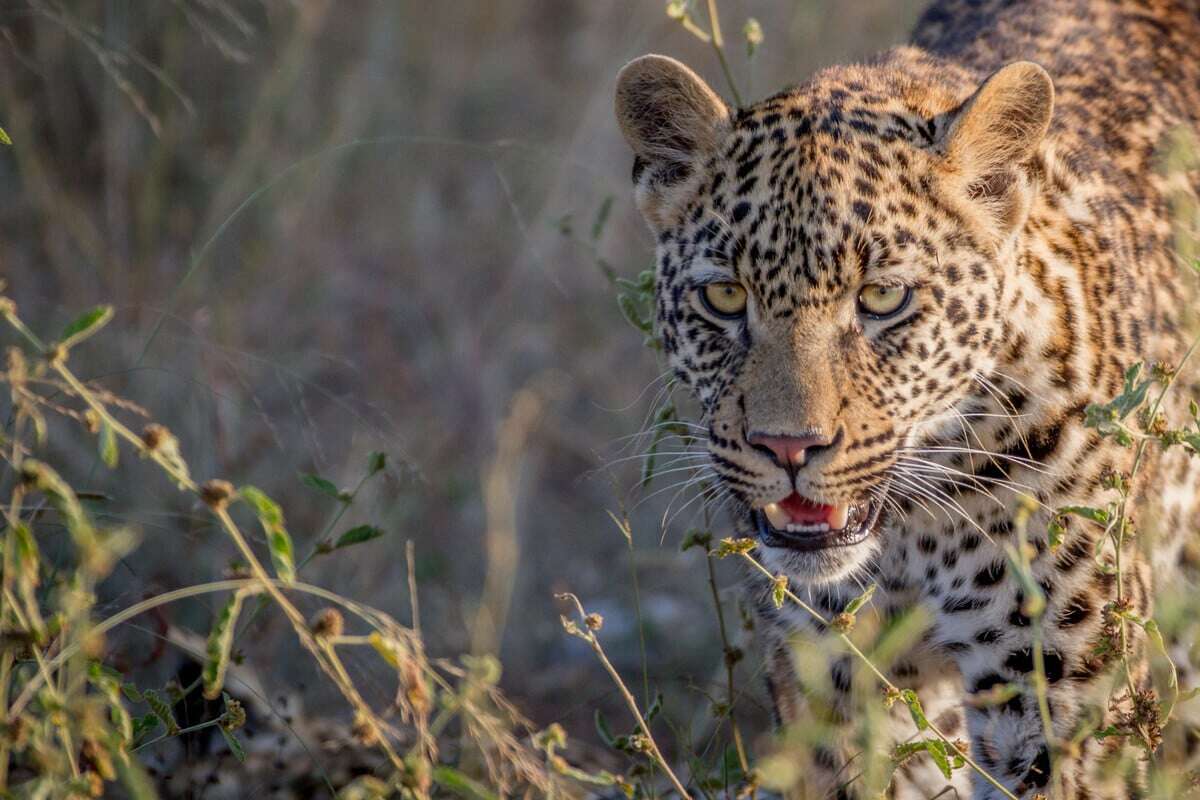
(673, 121)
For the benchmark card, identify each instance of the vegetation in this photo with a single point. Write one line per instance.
(88, 713)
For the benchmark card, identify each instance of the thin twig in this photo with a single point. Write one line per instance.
(587, 633)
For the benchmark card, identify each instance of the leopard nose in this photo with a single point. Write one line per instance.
(790, 452)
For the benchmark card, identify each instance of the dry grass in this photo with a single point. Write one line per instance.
(328, 234)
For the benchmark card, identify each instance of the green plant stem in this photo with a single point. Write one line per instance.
(1035, 608)
(728, 652)
(1122, 515)
(594, 641)
(316, 548)
(718, 44)
(191, 729)
(213, 587)
(333, 670)
(849, 643)
(345, 504)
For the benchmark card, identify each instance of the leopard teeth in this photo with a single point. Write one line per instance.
(776, 516)
(839, 517)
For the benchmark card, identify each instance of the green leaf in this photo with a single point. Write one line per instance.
(4, 139)
(147, 723)
(1055, 533)
(279, 542)
(219, 645)
(631, 310)
(937, 751)
(1190, 694)
(854, 605)
(321, 485)
(1107, 418)
(655, 708)
(28, 559)
(914, 708)
(138, 785)
(376, 462)
(1097, 515)
(779, 590)
(108, 445)
(235, 746)
(605, 732)
(282, 555)
(455, 781)
(268, 510)
(161, 710)
(85, 325)
(358, 535)
(602, 218)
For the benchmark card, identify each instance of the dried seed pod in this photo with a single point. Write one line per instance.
(234, 716)
(363, 731)
(327, 624)
(154, 435)
(216, 493)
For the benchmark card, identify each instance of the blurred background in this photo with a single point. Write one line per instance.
(378, 225)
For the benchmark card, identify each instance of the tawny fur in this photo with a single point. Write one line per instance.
(1008, 167)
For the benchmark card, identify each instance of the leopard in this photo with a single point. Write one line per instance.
(893, 291)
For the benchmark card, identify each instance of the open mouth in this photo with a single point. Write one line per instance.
(798, 523)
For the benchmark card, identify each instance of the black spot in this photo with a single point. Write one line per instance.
(1022, 661)
(740, 211)
(953, 605)
(1075, 612)
(991, 574)
(988, 635)
(1039, 771)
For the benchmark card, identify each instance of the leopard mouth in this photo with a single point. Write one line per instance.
(797, 523)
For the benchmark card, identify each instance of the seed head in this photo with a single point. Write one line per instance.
(327, 624)
(363, 731)
(234, 716)
(416, 693)
(842, 623)
(593, 621)
(154, 435)
(216, 493)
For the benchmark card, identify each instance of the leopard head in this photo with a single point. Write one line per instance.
(835, 265)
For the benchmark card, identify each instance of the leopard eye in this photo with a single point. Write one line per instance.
(725, 299)
(882, 301)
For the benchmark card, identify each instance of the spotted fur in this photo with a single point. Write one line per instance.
(1008, 167)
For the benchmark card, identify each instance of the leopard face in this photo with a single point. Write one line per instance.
(835, 272)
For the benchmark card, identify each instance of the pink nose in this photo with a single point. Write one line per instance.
(789, 451)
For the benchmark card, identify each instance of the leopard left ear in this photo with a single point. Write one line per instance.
(991, 139)
(673, 121)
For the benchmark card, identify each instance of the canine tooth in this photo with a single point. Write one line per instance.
(776, 516)
(841, 513)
